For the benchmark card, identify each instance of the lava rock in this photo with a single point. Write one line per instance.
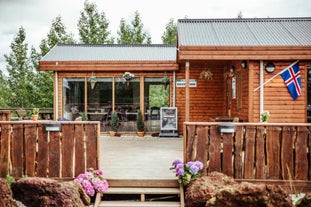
(6, 198)
(42, 192)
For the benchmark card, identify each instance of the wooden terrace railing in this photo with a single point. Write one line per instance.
(265, 152)
(27, 148)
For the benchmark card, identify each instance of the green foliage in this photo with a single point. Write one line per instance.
(83, 116)
(170, 34)
(158, 96)
(133, 34)
(21, 75)
(10, 179)
(139, 122)
(93, 26)
(35, 111)
(114, 122)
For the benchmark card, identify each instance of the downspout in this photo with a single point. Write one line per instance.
(174, 89)
(56, 95)
(261, 94)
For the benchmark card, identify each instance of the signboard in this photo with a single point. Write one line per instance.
(168, 118)
(182, 83)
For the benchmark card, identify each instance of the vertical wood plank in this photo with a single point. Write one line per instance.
(301, 162)
(18, 150)
(238, 153)
(91, 146)
(287, 156)
(309, 145)
(80, 165)
(215, 150)
(273, 152)
(260, 154)
(30, 149)
(202, 147)
(190, 142)
(43, 152)
(67, 150)
(227, 165)
(5, 149)
(249, 152)
(54, 154)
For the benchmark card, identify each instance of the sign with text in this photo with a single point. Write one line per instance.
(182, 83)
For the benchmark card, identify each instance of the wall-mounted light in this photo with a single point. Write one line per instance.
(53, 127)
(227, 128)
(270, 67)
(244, 64)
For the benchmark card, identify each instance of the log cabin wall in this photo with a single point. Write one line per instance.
(208, 98)
(277, 99)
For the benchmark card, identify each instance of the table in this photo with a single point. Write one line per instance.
(222, 119)
(97, 116)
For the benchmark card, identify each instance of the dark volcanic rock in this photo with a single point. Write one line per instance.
(219, 190)
(42, 192)
(6, 199)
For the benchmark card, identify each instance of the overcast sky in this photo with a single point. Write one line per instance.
(36, 15)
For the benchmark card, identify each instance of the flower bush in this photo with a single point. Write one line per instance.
(186, 171)
(264, 116)
(92, 181)
(128, 76)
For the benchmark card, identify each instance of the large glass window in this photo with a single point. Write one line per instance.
(73, 97)
(99, 99)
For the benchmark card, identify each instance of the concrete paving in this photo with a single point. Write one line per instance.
(131, 157)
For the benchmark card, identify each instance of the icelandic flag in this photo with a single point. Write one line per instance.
(291, 77)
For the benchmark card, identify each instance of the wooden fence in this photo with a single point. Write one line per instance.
(254, 152)
(28, 148)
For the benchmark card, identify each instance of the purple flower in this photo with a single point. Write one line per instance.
(199, 165)
(176, 162)
(194, 169)
(180, 169)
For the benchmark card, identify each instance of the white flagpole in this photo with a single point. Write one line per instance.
(256, 89)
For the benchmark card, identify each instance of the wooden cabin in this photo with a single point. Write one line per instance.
(251, 50)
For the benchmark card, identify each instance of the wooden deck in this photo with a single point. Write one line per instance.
(139, 158)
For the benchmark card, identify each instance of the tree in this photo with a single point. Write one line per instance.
(3, 91)
(93, 26)
(20, 80)
(133, 34)
(170, 34)
(43, 81)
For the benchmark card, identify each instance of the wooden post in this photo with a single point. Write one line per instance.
(187, 93)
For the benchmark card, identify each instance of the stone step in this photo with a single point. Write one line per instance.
(142, 190)
(138, 204)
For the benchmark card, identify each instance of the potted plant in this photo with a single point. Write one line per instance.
(114, 123)
(35, 114)
(206, 75)
(92, 81)
(140, 124)
(166, 81)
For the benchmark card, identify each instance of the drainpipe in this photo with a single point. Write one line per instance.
(174, 89)
(56, 95)
(261, 94)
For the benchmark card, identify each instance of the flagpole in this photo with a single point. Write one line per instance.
(256, 89)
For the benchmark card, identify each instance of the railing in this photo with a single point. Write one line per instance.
(255, 151)
(30, 148)
(44, 113)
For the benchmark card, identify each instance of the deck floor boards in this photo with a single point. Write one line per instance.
(132, 157)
